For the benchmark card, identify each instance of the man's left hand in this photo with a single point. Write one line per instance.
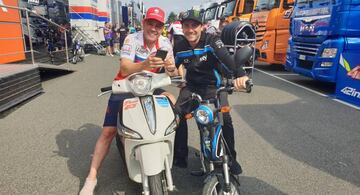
(240, 83)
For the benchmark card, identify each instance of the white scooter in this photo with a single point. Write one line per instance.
(146, 131)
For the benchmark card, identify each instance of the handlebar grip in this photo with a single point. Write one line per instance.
(104, 89)
(249, 84)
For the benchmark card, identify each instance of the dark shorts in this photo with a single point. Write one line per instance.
(115, 105)
(109, 42)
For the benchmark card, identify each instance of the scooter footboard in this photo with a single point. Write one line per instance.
(152, 157)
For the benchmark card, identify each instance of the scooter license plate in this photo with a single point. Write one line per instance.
(302, 57)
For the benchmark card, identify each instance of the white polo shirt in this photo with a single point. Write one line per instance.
(136, 50)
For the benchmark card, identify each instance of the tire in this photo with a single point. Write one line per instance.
(213, 184)
(74, 60)
(229, 32)
(157, 184)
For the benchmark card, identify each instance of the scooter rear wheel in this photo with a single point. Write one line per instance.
(157, 184)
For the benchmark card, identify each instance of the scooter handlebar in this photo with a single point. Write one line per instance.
(249, 84)
(104, 89)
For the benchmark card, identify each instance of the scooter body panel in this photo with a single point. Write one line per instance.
(149, 116)
(152, 157)
(133, 150)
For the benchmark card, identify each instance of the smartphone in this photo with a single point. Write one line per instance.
(161, 54)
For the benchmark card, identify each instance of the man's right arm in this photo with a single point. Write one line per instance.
(128, 67)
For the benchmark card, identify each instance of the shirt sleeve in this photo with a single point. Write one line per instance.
(226, 59)
(128, 49)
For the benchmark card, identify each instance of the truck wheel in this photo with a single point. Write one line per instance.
(213, 186)
(157, 184)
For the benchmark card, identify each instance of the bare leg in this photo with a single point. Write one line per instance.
(101, 149)
(170, 96)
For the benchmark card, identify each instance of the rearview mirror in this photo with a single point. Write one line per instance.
(243, 55)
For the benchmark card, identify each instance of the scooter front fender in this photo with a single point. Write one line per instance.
(152, 157)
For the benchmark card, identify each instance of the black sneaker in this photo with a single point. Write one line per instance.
(235, 168)
(180, 162)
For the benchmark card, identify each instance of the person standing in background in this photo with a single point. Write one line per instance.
(108, 38)
(123, 33)
(116, 40)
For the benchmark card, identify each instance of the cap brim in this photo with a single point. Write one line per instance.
(196, 20)
(157, 19)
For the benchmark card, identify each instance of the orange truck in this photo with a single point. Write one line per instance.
(238, 10)
(271, 19)
(11, 37)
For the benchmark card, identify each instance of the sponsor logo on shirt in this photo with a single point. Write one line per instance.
(126, 49)
(141, 50)
(203, 58)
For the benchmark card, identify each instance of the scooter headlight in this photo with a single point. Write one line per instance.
(128, 133)
(172, 127)
(140, 84)
(204, 115)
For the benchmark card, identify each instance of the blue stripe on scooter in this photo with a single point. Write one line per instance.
(215, 141)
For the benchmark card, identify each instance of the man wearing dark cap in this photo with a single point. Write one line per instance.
(137, 54)
(204, 57)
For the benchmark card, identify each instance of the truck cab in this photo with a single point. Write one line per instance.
(324, 35)
(325, 44)
(212, 15)
(271, 19)
(238, 10)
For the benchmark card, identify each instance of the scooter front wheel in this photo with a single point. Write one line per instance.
(157, 184)
(214, 187)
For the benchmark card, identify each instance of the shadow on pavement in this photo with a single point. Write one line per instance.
(188, 184)
(46, 75)
(77, 146)
(270, 67)
(254, 186)
(323, 136)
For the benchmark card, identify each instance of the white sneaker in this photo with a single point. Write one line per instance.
(88, 188)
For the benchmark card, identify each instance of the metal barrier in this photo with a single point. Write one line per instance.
(89, 39)
(27, 13)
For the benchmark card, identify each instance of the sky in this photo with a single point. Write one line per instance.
(173, 5)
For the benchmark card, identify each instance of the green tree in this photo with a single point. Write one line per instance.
(171, 18)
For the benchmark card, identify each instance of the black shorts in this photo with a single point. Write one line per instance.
(115, 104)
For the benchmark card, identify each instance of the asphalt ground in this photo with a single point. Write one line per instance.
(289, 140)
